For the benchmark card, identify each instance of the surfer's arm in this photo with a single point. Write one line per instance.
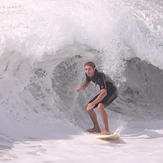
(84, 85)
(102, 94)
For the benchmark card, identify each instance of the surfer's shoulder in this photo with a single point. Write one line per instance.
(100, 74)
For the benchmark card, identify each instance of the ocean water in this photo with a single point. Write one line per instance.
(43, 47)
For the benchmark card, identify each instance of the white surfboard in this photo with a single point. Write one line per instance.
(107, 137)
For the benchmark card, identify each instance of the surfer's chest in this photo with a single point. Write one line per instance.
(96, 81)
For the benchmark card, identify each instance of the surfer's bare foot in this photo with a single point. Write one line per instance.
(105, 132)
(94, 130)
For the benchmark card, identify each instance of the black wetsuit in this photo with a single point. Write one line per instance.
(104, 82)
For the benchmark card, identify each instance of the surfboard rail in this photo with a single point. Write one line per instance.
(107, 137)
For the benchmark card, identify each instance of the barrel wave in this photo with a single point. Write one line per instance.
(43, 48)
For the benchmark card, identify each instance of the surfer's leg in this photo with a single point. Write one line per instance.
(104, 118)
(93, 117)
(111, 96)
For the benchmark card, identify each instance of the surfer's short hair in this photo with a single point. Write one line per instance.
(92, 64)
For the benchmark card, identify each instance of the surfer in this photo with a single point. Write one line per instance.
(108, 93)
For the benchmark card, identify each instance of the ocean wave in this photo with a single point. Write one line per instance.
(43, 49)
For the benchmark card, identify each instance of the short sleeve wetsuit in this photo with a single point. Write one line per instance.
(104, 82)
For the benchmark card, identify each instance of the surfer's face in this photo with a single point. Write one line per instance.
(89, 70)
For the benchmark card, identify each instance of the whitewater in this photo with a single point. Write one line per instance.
(43, 47)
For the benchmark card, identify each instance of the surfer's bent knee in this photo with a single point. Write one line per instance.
(101, 106)
(88, 109)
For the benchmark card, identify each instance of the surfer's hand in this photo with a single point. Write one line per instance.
(78, 89)
(90, 106)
